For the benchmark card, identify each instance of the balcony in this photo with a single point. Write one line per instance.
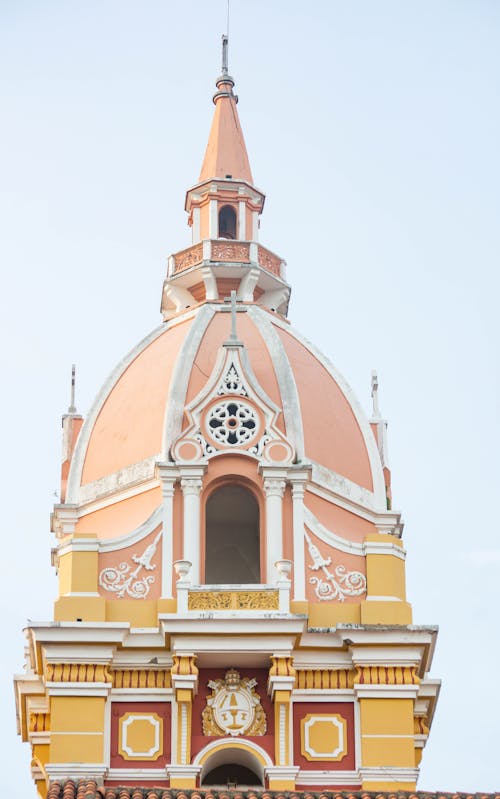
(217, 251)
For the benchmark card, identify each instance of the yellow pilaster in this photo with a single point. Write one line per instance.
(387, 726)
(281, 682)
(78, 573)
(386, 582)
(184, 680)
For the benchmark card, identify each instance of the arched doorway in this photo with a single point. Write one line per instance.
(232, 539)
(232, 775)
(232, 765)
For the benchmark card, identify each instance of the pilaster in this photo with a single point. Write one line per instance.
(386, 688)
(167, 475)
(281, 682)
(191, 484)
(274, 488)
(185, 684)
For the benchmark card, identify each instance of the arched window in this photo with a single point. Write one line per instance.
(232, 540)
(227, 222)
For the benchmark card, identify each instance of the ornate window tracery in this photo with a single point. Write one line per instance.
(232, 422)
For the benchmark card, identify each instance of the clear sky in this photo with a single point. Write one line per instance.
(373, 127)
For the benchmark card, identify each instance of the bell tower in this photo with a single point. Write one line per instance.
(231, 619)
(223, 213)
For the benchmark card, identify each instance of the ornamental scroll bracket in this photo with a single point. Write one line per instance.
(124, 580)
(232, 413)
(335, 582)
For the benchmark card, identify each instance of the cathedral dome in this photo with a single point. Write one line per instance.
(143, 409)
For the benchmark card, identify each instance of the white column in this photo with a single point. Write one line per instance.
(299, 579)
(213, 220)
(191, 489)
(255, 225)
(242, 226)
(167, 541)
(167, 474)
(196, 224)
(274, 488)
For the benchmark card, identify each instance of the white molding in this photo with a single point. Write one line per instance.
(384, 548)
(335, 491)
(364, 691)
(286, 380)
(117, 486)
(182, 770)
(335, 485)
(322, 778)
(374, 598)
(330, 660)
(404, 655)
(83, 653)
(78, 689)
(136, 774)
(361, 418)
(36, 738)
(135, 536)
(323, 695)
(80, 451)
(232, 743)
(76, 732)
(388, 774)
(70, 771)
(341, 728)
(157, 725)
(180, 378)
(141, 694)
(331, 539)
(281, 772)
(388, 735)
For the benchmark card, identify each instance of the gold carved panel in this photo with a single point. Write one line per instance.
(233, 600)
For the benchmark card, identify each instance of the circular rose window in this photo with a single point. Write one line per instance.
(232, 423)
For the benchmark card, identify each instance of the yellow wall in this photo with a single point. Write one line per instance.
(77, 729)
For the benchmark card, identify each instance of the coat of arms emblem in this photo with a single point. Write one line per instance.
(233, 708)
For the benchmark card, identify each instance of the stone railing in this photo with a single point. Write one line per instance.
(226, 251)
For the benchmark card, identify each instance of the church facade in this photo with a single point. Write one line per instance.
(231, 608)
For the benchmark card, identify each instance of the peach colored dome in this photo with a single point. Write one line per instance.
(146, 395)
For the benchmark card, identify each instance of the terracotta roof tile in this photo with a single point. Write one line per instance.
(88, 789)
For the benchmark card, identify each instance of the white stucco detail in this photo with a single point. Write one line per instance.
(364, 426)
(75, 472)
(180, 378)
(286, 381)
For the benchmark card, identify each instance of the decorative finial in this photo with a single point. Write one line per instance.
(72, 406)
(376, 409)
(225, 43)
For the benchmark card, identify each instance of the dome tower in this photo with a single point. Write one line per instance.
(231, 608)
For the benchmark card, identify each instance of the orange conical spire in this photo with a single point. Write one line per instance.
(226, 154)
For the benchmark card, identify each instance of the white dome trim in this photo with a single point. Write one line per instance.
(359, 414)
(286, 381)
(78, 459)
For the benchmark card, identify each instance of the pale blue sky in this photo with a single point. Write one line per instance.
(373, 128)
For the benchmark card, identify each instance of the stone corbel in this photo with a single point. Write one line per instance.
(247, 285)
(63, 520)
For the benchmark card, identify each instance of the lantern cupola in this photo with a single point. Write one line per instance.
(223, 213)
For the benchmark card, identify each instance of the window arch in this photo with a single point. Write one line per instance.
(232, 536)
(227, 222)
